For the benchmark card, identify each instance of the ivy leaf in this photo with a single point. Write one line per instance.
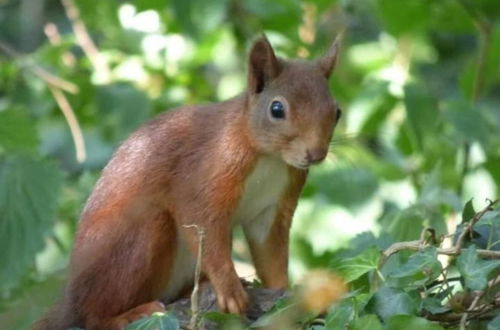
(353, 268)
(468, 212)
(388, 302)
(367, 322)
(28, 198)
(157, 321)
(474, 270)
(410, 322)
(434, 306)
(420, 268)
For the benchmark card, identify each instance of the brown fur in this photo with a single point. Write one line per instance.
(189, 166)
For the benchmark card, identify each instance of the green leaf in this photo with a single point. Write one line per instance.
(468, 212)
(388, 302)
(29, 190)
(366, 322)
(17, 131)
(420, 268)
(124, 107)
(406, 225)
(468, 124)
(198, 17)
(157, 321)
(474, 270)
(409, 322)
(353, 268)
(422, 112)
(282, 306)
(434, 306)
(340, 315)
(353, 185)
(402, 17)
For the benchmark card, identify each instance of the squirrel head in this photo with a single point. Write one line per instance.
(291, 111)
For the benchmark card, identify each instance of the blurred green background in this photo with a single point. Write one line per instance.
(418, 82)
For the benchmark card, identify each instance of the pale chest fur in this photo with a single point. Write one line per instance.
(262, 193)
(256, 211)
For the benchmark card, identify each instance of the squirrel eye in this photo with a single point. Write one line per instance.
(277, 110)
(339, 114)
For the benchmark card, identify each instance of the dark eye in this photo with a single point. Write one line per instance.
(339, 114)
(277, 110)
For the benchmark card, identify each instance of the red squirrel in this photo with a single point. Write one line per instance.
(239, 162)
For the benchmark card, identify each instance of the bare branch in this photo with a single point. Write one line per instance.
(74, 127)
(84, 40)
(38, 71)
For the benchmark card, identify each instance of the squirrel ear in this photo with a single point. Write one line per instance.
(263, 65)
(328, 61)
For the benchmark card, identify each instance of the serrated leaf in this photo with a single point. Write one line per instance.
(410, 322)
(17, 131)
(367, 322)
(388, 302)
(29, 191)
(468, 212)
(353, 268)
(420, 268)
(474, 270)
(157, 321)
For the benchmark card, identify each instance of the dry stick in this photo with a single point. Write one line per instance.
(84, 40)
(193, 323)
(74, 127)
(463, 320)
(40, 72)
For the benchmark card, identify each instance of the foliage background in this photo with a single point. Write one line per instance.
(418, 80)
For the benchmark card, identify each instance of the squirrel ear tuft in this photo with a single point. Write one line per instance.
(328, 61)
(263, 66)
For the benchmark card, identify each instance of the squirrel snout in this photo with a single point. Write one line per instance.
(316, 155)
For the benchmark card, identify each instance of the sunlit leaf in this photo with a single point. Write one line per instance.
(157, 321)
(353, 268)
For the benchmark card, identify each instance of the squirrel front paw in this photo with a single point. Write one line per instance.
(232, 298)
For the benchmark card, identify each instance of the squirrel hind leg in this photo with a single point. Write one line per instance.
(121, 321)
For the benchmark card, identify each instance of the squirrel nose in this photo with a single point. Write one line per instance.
(316, 155)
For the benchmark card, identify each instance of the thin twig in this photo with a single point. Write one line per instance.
(421, 244)
(463, 320)
(84, 40)
(74, 127)
(38, 71)
(195, 312)
(468, 226)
